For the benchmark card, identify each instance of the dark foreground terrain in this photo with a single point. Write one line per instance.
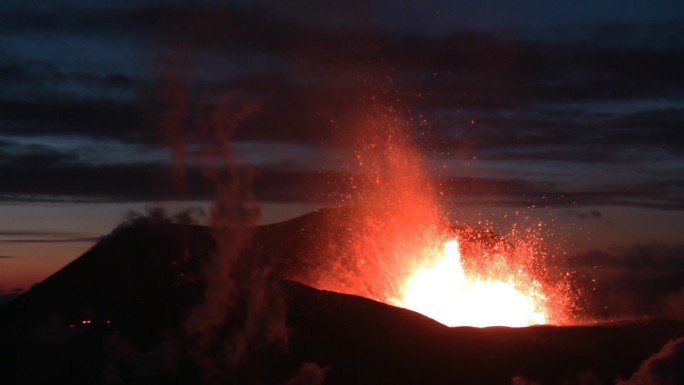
(119, 313)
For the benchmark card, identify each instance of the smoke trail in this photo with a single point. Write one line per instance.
(665, 367)
(308, 374)
(239, 314)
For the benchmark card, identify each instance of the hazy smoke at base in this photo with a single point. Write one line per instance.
(517, 380)
(125, 362)
(308, 374)
(665, 368)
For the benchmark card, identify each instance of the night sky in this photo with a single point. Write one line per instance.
(569, 111)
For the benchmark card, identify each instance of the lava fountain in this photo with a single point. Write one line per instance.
(393, 243)
(442, 291)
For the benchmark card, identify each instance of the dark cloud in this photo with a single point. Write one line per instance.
(207, 25)
(33, 236)
(90, 118)
(570, 99)
(33, 157)
(481, 65)
(6, 256)
(655, 256)
(36, 74)
(635, 262)
(581, 214)
(64, 240)
(33, 233)
(578, 135)
(54, 181)
(30, 236)
(642, 280)
(82, 182)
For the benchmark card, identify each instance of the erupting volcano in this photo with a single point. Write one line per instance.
(398, 247)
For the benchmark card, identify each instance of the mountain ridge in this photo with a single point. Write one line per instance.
(118, 314)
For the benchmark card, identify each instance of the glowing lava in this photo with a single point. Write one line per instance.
(386, 241)
(443, 292)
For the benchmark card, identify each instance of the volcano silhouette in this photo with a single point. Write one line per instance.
(116, 315)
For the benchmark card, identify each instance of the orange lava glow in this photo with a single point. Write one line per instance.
(442, 291)
(395, 243)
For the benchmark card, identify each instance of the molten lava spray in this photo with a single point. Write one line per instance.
(390, 220)
(396, 246)
(443, 292)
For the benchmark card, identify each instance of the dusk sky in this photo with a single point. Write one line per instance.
(572, 112)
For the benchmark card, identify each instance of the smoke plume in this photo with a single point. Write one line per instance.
(239, 315)
(308, 374)
(665, 368)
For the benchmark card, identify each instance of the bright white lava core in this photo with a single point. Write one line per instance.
(444, 293)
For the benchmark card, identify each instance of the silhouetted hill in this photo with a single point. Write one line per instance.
(9, 296)
(134, 283)
(364, 342)
(117, 314)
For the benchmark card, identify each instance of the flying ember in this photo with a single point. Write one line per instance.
(443, 292)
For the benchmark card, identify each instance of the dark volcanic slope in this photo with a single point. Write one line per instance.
(138, 284)
(364, 342)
